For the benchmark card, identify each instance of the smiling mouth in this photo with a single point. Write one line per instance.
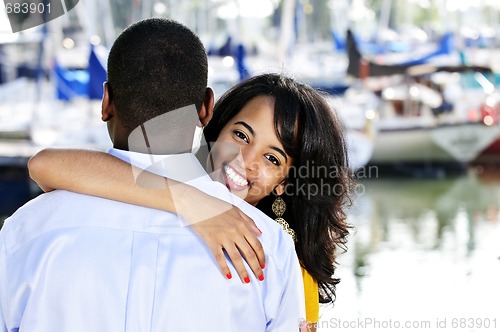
(234, 180)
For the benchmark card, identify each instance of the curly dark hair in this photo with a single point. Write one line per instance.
(155, 66)
(318, 186)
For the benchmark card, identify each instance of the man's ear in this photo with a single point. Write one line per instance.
(107, 109)
(207, 108)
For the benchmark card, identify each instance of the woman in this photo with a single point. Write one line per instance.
(292, 164)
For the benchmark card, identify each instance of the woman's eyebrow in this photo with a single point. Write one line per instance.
(246, 125)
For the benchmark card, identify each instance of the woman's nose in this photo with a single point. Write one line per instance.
(250, 160)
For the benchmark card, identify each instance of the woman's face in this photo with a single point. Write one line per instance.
(248, 156)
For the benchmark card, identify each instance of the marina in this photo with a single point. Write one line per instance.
(415, 84)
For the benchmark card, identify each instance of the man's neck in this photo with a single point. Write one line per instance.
(169, 133)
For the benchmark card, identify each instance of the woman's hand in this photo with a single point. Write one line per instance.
(223, 227)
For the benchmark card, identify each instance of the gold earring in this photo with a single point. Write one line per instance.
(279, 207)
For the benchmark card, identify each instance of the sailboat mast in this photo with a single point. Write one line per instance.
(286, 37)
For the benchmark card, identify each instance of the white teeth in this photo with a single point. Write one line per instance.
(235, 177)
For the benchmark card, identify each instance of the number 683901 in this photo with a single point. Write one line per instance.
(27, 8)
(476, 323)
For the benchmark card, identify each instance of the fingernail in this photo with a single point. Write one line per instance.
(229, 275)
(246, 280)
(261, 277)
(262, 266)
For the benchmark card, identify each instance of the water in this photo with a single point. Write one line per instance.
(425, 256)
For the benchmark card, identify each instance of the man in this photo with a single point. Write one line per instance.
(71, 262)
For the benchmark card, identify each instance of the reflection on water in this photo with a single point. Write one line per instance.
(425, 256)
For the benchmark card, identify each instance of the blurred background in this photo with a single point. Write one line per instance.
(415, 83)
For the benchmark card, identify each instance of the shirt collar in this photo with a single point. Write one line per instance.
(182, 167)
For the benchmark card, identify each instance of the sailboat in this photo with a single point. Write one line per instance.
(360, 67)
(49, 96)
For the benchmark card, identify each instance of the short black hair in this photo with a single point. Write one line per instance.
(155, 66)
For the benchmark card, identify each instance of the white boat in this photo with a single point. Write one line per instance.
(359, 148)
(49, 121)
(409, 128)
(356, 114)
(31, 110)
(56, 103)
(417, 130)
(450, 143)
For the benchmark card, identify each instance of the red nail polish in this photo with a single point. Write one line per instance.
(246, 280)
(262, 266)
(261, 277)
(229, 275)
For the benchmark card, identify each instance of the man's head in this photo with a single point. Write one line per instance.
(154, 66)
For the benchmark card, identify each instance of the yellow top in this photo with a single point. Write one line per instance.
(311, 296)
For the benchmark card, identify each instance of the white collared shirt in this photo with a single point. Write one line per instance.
(71, 262)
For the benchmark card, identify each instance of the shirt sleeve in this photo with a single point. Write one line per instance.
(3, 286)
(291, 311)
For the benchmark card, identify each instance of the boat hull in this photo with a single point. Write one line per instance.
(453, 143)
(490, 155)
(359, 149)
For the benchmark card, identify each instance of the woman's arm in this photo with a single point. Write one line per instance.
(99, 174)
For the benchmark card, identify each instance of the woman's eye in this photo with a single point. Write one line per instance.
(273, 159)
(241, 135)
